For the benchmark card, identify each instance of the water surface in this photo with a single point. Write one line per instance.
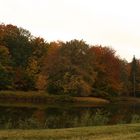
(63, 116)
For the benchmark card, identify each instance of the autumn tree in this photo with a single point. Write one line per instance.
(68, 69)
(72, 68)
(39, 50)
(107, 66)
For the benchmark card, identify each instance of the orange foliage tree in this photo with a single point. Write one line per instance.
(107, 66)
(68, 69)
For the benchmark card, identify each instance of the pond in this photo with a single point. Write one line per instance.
(63, 116)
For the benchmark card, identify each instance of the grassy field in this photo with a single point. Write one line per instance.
(116, 132)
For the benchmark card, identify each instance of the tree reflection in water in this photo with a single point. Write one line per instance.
(57, 117)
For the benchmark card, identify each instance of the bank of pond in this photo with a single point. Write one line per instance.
(41, 98)
(45, 98)
(24, 110)
(45, 116)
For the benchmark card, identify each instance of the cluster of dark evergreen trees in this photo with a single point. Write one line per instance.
(73, 67)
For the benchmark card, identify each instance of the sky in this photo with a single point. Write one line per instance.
(113, 23)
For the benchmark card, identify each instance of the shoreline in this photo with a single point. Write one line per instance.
(42, 98)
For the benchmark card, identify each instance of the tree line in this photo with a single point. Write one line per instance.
(72, 68)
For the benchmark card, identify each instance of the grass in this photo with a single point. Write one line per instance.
(116, 132)
(92, 101)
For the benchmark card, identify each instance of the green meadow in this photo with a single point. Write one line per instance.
(114, 132)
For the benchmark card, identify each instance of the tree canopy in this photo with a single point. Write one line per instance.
(72, 68)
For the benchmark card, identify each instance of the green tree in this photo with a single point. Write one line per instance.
(5, 69)
(17, 41)
(135, 76)
(124, 77)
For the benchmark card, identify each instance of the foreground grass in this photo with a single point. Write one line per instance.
(116, 132)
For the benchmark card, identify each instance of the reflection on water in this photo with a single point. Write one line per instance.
(57, 117)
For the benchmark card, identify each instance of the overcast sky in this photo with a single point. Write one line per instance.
(114, 23)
